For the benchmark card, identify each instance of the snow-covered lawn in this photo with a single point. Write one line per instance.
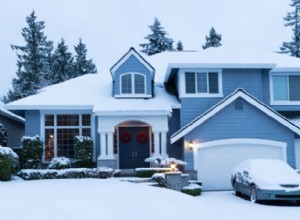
(112, 199)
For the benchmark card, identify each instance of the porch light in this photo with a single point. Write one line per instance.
(191, 145)
(173, 166)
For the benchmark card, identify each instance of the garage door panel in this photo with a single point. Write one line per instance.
(215, 163)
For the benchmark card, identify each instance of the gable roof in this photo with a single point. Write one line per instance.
(239, 93)
(124, 58)
(10, 115)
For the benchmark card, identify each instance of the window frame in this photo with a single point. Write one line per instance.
(282, 102)
(133, 92)
(55, 127)
(182, 81)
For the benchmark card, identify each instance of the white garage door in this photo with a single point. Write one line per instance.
(215, 160)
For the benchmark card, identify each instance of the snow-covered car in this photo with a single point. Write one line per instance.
(266, 179)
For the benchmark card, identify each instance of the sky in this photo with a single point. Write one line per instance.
(110, 27)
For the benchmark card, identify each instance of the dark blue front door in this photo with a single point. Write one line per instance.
(134, 147)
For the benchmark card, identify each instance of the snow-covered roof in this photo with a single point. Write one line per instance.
(10, 115)
(239, 93)
(222, 57)
(94, 92)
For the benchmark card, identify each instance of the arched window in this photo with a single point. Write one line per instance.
(133, 83)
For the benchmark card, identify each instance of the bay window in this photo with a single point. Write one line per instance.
(60, 131)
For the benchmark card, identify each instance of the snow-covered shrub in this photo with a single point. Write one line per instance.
(3, 135)
(192, 189)
(160, 178)
(83, 151)
(117, 173)
(148, 172)
(32, 150)
(59, 163)
(75, 173)
(9, 163)
(165, 161)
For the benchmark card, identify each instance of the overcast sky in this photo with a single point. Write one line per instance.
(110, 27)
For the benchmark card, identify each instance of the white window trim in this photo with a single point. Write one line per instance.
(133, 94)
(55, 127)
(281, 102)
(182, 90)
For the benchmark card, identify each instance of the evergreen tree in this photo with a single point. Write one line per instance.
(179, 46)
(158, 40)
(213, 40)
(62, 65)
(292, 19)
(32, 60)
(82, 65)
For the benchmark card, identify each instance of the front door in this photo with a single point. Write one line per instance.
(134, 147)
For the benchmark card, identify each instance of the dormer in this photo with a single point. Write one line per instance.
(132, 76)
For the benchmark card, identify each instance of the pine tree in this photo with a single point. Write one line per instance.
(213, 40)
(292, 19)
(82, 65)
(62, 65)
(158, 40)
(179, 46)
(32, 60)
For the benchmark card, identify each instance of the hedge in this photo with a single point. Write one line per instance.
(148, 172)
(31, 174)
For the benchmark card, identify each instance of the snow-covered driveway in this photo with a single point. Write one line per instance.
(112, 199)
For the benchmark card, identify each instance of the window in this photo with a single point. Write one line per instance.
(286, 88)
(60, 131)
(133, 83)
(202, 83)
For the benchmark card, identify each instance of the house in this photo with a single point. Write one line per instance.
(212, 109)
(15, 126)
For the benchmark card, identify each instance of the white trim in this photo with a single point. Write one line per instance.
(50, 107)
(182, 86)
(281, 102)
(238, 94)
(133, 96)
(132, 113)
(137, 56)
(218, 65)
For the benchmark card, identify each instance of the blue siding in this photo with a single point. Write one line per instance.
(132, 64)
(247, 123)
(250, 80)
(176, 150)
(32, 125)
(247, 79)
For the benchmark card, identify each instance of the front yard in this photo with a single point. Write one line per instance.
(115, 199)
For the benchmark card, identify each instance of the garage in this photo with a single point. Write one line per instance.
(214, 160)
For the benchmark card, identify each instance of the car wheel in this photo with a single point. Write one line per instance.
(298, 202)
(235, 191)
(253, 194)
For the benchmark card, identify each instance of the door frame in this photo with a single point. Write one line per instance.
(132, 126)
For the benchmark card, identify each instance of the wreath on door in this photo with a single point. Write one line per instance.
(142, 138)
(126, 137)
